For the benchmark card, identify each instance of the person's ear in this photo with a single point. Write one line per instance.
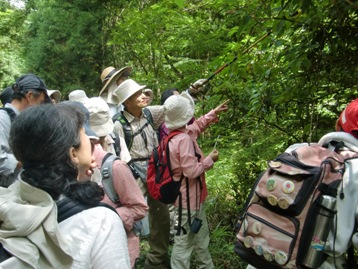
(74, 156)
(29, 95)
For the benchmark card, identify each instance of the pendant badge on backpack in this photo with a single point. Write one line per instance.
(279, 227)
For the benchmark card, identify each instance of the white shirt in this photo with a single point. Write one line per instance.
(97, 239)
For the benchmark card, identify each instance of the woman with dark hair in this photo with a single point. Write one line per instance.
(55, 151)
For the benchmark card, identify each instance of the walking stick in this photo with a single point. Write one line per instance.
(227, 64)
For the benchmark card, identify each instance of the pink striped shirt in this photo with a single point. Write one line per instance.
(133, 205)
(184, 162)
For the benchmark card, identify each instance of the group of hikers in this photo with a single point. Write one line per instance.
(73, 181)
(56, 208)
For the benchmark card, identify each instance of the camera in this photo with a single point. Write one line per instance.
(196, 225)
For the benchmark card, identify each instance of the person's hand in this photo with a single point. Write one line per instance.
(214, 155)
(197, 86)
(222, 107)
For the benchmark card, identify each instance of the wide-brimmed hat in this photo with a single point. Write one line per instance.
(178, 110)
(89, 132)
(349, 118)
(78, 95)
(127, 89)
(31, 82)
(111, 74)
(149, 94)
(99, 118)
(55, 94)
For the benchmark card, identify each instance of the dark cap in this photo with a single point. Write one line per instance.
(30, 82)
(6, 95)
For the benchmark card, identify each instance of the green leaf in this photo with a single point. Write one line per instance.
(179, 3)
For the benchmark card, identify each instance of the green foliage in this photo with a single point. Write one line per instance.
(64, 44)
(11, 38)
(288, 88)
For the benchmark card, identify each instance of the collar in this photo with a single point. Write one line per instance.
(17, 112)
(130, 117)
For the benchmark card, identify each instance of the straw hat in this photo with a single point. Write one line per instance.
(110, 74)
(127, 89)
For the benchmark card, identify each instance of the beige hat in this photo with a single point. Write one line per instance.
(127, 89)
(149, 93)
(100, 120)
(78, 95)
(111, 74)
(55, 94)
(179, 109)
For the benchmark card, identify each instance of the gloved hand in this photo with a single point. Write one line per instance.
(197, 86)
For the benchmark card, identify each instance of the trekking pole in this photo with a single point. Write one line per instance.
(227, 64)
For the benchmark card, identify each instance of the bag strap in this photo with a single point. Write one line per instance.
(125, 126)
(4, 255)
(117, 143)
(128, 134)
(67, 208)
(107, 177)
(148, 115)
(10, 112)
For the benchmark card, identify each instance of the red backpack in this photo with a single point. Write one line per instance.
(161, 185)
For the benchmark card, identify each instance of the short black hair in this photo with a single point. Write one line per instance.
(166, 94)
(6, 95)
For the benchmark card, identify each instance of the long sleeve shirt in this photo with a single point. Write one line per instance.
(8, 162)
(185, 162)
(133, 205)
(144, 143)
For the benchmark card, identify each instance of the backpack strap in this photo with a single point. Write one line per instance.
(67, 208)
(4, 255)
(128, 135)
(125, 126)
(148, 115)
(117, 143)
(107, 177)
(180, 209)
(10, 112)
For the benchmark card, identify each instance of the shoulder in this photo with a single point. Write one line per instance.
(92, 217)
(4, 115)
(119, 164)
(154, 109)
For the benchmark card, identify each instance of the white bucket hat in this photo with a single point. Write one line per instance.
(78, 95)
(111, 74)
(100, 120)
(178, 110)
(149, 94)
(127, 89)
(55, 94)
